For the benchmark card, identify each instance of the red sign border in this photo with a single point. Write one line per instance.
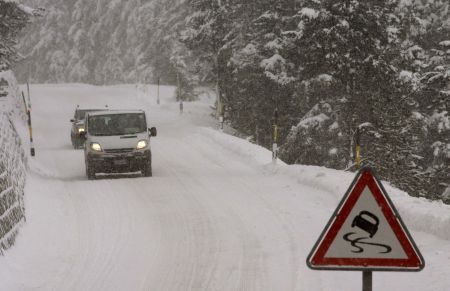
(317, 259)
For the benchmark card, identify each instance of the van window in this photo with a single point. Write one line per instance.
(81, 113)
(117, 124)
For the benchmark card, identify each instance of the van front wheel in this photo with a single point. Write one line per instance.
(147, 169)
(90, 171)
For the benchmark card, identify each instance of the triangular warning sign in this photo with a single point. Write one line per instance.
(366, 233)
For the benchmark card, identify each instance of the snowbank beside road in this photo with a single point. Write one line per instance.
(419, 214)
(248, 151)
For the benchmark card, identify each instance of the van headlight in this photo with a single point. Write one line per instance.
(142, 144)
(80, 129)
(96, 147)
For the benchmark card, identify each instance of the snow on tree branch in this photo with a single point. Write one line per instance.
(39, 12)
(29, 10)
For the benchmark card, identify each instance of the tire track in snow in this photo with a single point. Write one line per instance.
(252, 268)
(97, 246)
(187, 237)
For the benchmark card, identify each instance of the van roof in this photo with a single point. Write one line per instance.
(91, 109)
(109, 112)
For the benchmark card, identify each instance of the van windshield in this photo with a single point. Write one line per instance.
(117, 124)
(81, 113)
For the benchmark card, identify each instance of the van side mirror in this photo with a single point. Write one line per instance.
(72, 120)
(152, 131)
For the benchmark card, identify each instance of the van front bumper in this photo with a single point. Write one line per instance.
(104, 162)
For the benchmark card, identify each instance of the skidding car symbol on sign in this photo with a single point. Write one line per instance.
(371, 227)
(361, 222)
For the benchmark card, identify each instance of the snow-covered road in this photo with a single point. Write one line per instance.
(216, 215)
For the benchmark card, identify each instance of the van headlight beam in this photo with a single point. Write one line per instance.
(96, 147)
(141, 144)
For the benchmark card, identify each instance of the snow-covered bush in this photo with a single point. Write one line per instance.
(12, 104)
(316, 140)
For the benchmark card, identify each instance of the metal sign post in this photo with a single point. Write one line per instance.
(366, 275)
(367, 281)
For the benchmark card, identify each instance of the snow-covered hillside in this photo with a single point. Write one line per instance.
(216, 215)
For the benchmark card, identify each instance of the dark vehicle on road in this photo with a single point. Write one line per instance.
(117, 142)
(78, 126)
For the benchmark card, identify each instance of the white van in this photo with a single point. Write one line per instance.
(117, 141)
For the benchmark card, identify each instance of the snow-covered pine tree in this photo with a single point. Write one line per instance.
(261, 70)
(211, 27)
(352, 43)
(186, 79)
(12, 20)
(426, 45)
(102, 41)
(355, 43)
(433, 99)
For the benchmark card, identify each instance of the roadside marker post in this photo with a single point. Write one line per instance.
(221, 115)
(157, 92)
(275, 137)
(24, 102)
(221, 122)
(29, 98)
(30, 128)
(365, 233)
(358, 147)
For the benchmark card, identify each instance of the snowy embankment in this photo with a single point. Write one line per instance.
(419, 214)
(12, 165)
